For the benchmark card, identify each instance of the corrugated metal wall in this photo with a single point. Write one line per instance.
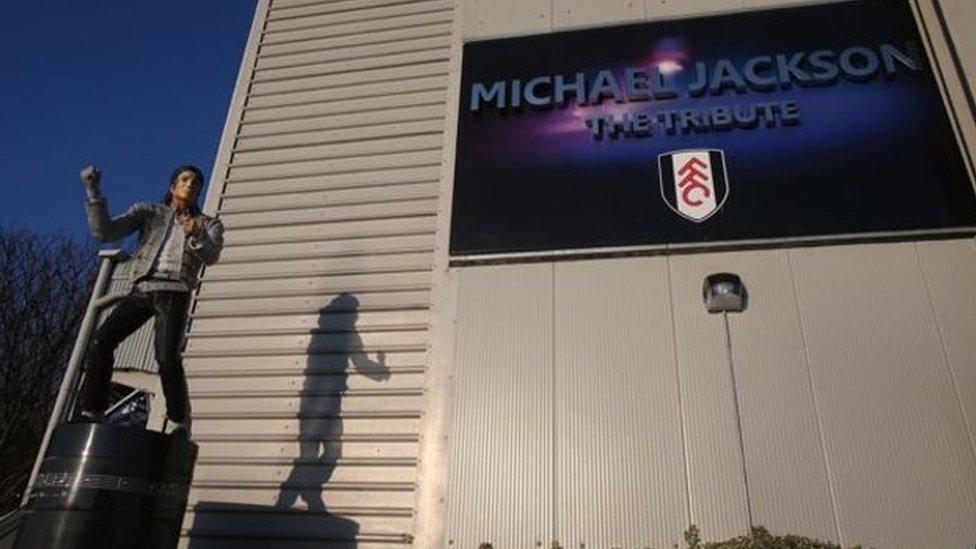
(308, 344)
(595, 400)
(349, 387)
(136, 352)
(597, 406)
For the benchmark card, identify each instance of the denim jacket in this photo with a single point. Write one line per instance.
(152, 219)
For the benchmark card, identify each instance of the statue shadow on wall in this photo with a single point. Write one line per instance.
(300, 513)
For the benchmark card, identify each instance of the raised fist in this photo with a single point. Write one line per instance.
(91, 177)
(189, 224)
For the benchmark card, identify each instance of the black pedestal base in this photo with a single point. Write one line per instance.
(102, 486)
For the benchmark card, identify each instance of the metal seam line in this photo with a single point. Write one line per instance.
(945, 352)
(554, 478)
(689, 518)
(813, 396)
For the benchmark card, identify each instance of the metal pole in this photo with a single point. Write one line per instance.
(71, 374)
(738, 417)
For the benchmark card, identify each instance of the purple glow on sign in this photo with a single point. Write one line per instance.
(669, 67)
(669, 55)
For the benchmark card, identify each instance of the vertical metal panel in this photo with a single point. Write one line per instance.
(136, 352)
(312, 140)
(896, 443)
(949, 271)
(789, 483)
(496, 18)
(577, 13)
(959, 99)
(620, 464)
(500, 483)
(961, 19)
(685, 8)
(430, 509)
(787, 473)
(235, 110)
(468, 18)
(717, 488)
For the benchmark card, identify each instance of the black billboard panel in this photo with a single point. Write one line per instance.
(780, 124)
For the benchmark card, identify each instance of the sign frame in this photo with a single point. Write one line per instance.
(948, 93)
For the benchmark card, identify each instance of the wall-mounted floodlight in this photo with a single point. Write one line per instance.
(724, 293)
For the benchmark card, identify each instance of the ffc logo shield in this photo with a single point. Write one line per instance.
(694, 182)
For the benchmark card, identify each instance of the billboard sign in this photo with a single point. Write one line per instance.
(782, 124)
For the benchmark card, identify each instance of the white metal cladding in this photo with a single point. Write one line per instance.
(853, 368)
(596, 399)
(893, 425)
(307, 349)
(329, 177)
(619, 436)
(772, 374)
(786, 476)
(136, 352)
(500, 486)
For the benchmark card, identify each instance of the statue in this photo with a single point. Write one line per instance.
(175, 240)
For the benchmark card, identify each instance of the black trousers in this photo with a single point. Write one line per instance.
(168, 309)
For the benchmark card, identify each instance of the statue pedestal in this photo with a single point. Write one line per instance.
(109, 487)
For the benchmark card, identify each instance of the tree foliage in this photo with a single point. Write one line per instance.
(45, 283)
(758, 538)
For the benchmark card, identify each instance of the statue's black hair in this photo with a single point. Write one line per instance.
(168, 197)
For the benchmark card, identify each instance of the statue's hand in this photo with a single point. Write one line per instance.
(91, 177)
(189, 224)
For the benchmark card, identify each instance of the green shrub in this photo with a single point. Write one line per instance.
(758, 538)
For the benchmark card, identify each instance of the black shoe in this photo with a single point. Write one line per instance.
(88, 417)
(179, 429)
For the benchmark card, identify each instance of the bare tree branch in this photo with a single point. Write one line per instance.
(45, 282)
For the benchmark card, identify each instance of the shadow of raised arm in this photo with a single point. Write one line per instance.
(377, 371)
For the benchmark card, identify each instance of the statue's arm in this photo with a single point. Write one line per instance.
(102, 226)
(207, 241)
(106, 228)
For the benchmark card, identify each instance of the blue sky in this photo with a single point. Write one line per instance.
(136, 88)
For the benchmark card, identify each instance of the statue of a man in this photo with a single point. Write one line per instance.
(175, 241)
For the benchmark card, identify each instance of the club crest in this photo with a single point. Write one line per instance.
(694, 182)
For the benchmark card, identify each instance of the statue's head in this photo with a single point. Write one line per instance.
(184, 185)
